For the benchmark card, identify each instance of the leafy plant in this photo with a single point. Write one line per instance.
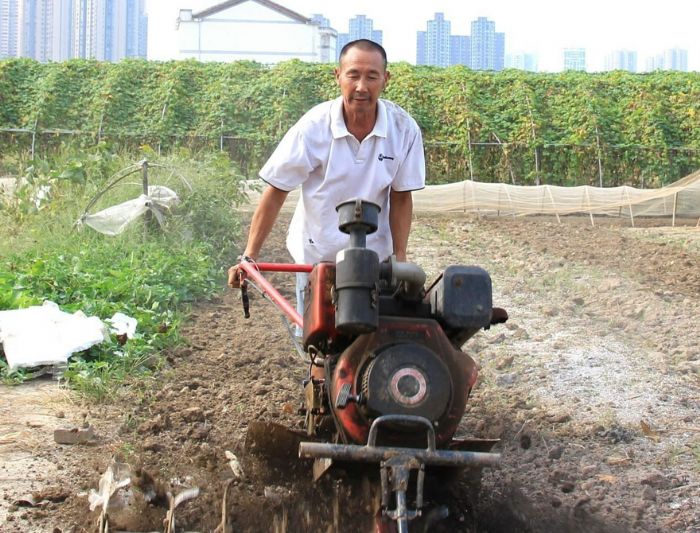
(641, 129)
(154, 280)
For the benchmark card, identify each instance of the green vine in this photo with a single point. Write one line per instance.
(567, 128)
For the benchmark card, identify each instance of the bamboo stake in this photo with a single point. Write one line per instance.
(534, 140)
(221, 137)
(629, 202)
(675, 206)
(600, 163)
(590, 207)
(510, 200)
(505, 154)
(36, 122)
(551, 196)
(472, 187)
(99, 130)
(469, 145)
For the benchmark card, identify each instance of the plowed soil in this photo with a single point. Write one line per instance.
(592, 387)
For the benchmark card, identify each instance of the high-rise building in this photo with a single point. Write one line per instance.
(343, 39)
(61, 34)
(676, 59)
(56, 30)
(655, 63)
(136, 29)
(521, 61)
(499, 52)
(9, 30)
(45, 29)
(484, 49)
(329, 47)
(488, 47)
(621, 60)
(437, 41)
(360, 27)
(460, 50)
(575, 59)
(109, 30)
(79, 25)
(322, 21)
(421, 58)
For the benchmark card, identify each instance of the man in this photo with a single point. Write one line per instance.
(356, 146)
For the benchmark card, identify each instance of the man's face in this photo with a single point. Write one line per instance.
(361, 77)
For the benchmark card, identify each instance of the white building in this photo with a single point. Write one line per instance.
(257, 30)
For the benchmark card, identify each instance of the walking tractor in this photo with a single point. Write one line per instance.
(388, 382)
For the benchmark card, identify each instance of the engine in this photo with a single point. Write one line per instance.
(384, 344)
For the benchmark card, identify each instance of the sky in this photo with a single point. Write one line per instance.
(541, 27)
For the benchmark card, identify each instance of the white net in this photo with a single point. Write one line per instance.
(680, 199)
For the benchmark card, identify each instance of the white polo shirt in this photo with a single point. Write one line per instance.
(332, 166)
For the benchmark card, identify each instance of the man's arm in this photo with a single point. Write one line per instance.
(261, 224)
(400, 213)
(263, 219)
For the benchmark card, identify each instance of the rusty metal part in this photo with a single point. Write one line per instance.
(273, 440)
(461, 368)
(375, 454)
(321, 466)
(472, 444)
(397, 463)
(313, 393)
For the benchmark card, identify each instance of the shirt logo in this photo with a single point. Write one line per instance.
(382, 157)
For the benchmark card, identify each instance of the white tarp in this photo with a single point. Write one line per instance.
(45, 335)
(115, 219)
(122, 324)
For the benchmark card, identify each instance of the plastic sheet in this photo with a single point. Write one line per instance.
(115, 219)
(45, 335)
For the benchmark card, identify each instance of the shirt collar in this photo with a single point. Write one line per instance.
(339, 129)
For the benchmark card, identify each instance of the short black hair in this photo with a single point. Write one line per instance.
(363, 44)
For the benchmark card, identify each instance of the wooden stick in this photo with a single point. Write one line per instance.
(551, 196)
(590, 208)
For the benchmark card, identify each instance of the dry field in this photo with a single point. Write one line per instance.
(592, 387)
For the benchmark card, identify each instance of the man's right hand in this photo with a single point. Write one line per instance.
(236, 274)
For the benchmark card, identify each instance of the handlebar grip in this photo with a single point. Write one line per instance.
(245, 299)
